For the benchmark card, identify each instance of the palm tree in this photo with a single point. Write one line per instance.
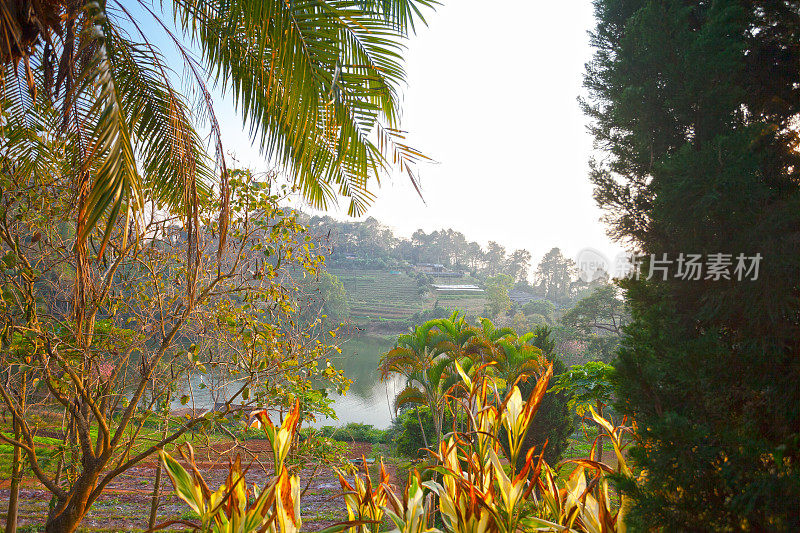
(524, 356)
(428, 386)
(423, 358)
(517, 359)
(455, 332)
(316, 82)
(481, 346)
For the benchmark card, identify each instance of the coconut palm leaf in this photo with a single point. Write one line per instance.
(115, 173)
(167, 144)
(316, 82)
(28, 146)
(313, 80)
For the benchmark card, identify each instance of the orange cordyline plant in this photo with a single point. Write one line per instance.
(476, 493)
(275, 509)
(365, 505)
(476, 490)
(585, 503)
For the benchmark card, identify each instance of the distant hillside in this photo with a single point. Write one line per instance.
(380, 294)
(396, 299)
(447, 256)
(382, 282)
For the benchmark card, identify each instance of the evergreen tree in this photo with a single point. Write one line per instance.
(518, 265)
(696, 104)
(554, 276)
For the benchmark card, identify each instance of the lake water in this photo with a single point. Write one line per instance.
(369, 400)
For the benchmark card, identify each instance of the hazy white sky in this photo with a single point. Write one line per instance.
(492, 97)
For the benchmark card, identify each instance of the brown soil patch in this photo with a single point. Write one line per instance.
(125, 504)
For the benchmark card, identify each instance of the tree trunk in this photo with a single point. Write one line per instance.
(422, 428)
(151, 523)
(84, 325)
(599, 450)
(16, 465)
(67, 515)
(16, 474)
(437, 426)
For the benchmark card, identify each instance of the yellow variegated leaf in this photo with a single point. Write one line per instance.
(185, 487)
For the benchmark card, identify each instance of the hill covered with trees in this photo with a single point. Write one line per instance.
(376, 281)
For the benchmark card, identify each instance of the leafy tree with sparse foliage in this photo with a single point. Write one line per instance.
(596, 322)
(326, 296)
(518, 264)
(234, 342)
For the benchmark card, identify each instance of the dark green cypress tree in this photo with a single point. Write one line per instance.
(697, 105)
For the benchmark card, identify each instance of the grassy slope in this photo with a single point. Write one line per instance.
(375, 294)
(387, 295)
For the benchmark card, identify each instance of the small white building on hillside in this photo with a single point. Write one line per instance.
(456, 288)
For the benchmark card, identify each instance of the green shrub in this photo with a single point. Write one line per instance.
(405, 436)
(354, 432)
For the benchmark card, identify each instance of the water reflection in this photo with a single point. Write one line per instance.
(368, 401)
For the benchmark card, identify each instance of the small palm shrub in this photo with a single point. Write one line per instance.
(405, 433)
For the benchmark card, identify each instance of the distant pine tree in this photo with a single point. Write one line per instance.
(697, 105)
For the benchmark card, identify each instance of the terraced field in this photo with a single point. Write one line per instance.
(380, 294)
(471, 304)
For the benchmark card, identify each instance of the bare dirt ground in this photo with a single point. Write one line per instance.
(125, 503)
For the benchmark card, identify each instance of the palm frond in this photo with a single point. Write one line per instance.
(410, 395)
(313, 81)
(29, 145)
(167, 144)
(116, 177)
(401, 14)
(438, 372)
